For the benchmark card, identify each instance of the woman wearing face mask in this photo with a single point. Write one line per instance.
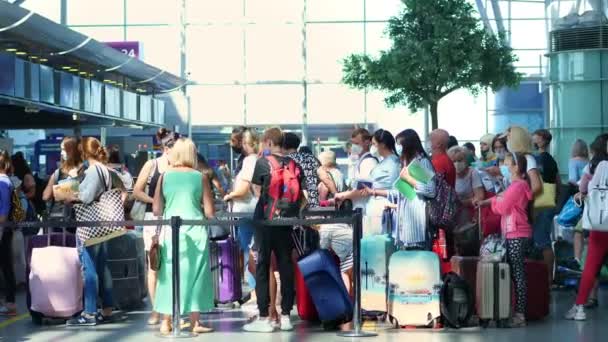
(468, 181)
(382, 178)
(70, 169)
(144, 191)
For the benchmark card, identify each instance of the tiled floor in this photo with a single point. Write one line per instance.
(132, 327)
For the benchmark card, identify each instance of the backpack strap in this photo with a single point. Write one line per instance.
(274, 163)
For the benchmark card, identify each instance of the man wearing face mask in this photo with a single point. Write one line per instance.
(236, 143)
(366, 161)
(485, 148)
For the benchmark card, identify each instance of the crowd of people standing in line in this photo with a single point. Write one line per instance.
(502, 182)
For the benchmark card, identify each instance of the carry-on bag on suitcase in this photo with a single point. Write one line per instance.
(375, 253)
(126, 261)
(537, 275)
(324, 282)
(414, 288)
(493, 292)
(54, 277)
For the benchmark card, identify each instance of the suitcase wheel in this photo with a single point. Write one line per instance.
(37, 318)
(484, 323)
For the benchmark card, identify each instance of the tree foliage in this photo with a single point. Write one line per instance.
(438, 46)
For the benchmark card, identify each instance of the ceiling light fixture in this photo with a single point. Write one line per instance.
(44, 60)
(20, 53)
(11, 50)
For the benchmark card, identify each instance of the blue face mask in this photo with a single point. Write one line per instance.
(399, 149)
(85, 164)
(504, 170)
(266, 152)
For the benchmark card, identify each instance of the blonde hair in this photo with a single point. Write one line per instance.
(91, 148)
(183, 154)
(251, 138)
(456, 150)
(519, 140)
(328, 158)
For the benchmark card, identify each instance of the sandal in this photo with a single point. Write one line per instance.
(166, 328)
(199, 329)
(154, 319)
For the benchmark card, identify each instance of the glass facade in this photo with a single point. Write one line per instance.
(271, 61)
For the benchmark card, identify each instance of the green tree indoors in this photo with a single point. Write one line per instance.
(438, 46)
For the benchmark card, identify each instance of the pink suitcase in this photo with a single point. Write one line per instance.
(55, 282)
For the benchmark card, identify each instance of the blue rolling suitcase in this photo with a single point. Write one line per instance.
(324, 282)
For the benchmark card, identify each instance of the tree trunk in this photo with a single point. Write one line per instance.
(434, 119)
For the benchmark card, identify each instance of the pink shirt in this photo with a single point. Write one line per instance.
(512, 206)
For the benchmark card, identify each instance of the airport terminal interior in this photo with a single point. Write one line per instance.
(344, 80)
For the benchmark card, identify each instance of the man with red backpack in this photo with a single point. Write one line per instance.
(282, 196)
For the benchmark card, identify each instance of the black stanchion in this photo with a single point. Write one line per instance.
(176, 223)
(357, 232)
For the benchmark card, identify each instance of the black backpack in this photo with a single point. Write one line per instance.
(456, 301)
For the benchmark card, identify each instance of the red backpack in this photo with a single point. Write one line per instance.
(284, 193)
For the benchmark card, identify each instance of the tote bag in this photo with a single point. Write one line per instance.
(109, 207)
(547, 198)
(595, 214)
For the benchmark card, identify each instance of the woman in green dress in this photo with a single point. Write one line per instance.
(183, 191)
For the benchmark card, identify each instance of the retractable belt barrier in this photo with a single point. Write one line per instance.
(308, 218)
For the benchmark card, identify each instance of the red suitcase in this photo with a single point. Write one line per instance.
(466, 267)
(537, 275)
(304, 303)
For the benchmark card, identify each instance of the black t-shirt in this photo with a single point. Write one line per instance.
(547, 166)
(261, 176)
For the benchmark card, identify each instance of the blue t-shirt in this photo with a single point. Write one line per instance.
(575, 170)
(6, 188)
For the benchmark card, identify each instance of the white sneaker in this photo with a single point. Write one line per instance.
(286, 323)
(577, 313)
(260, 325)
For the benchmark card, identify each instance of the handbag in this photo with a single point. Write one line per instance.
(547, 198)
(493, 249)
(154, 253)
(595, 215)
(571, 213)
(109, 207)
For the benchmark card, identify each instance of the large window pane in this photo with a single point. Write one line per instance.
(102, 33)
(332, 103)
(531, 58)
(328, 45)
(383, 9)
(460, 106)
(216, 105)
(153, 12)
(377, 40)
(394, 119)
(199, 11)
(275, 10)
(520, 10)
(325, 10)
(47, 8)
(528, 34)
(105, 12)
(159, 46)
(274, 104)
(215, 53)
(274, 53)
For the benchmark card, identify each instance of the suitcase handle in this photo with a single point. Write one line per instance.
(48, 236)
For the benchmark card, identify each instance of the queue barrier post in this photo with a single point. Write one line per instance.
(357, 233)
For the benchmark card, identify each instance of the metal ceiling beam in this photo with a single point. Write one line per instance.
(484, 15)
(500, 25)
(18, 2)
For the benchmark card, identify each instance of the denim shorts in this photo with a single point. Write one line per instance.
(543, 228)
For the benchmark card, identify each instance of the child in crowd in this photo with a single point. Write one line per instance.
(514, 207)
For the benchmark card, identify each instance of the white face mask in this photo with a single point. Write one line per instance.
(374, 151)
(64, 155)
(501, 155)
(399, 149)
(460, 166)
(356, 149)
